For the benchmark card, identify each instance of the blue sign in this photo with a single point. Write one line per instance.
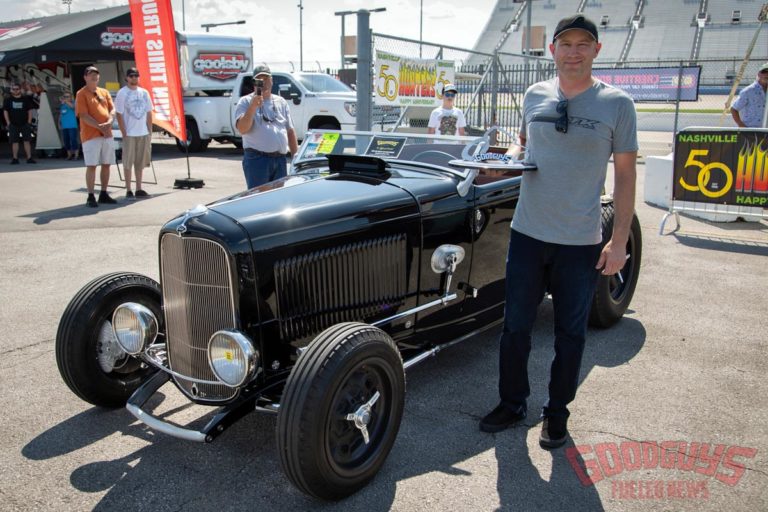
(654, 84)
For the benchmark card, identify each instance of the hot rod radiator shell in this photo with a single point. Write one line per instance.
(198, 300)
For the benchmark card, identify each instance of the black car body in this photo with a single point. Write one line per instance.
(309, 296)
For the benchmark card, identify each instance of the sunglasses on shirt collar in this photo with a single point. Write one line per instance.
(561, 124)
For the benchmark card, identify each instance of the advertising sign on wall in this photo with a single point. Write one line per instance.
(654, 84)
(404, 81)
(722, 167)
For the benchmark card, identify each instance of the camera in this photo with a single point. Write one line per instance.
(258, 84)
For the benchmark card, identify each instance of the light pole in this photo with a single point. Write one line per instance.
(208, 26)
(301, 34)
(421, 24)
(343, 14)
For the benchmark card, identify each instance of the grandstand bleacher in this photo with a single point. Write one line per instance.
(666, 32)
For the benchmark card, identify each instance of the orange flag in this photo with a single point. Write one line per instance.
(157, 59)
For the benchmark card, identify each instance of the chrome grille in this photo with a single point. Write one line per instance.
(350, 282)
(197, 301)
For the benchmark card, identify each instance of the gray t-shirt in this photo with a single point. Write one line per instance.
(560, 202)
(271, 122)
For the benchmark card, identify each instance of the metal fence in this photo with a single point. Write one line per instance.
(491, 93)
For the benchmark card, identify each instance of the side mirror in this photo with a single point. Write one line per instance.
(296, 97)
(285, 91)
(446, 258)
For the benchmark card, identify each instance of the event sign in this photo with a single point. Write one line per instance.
(654, 84)
(154, 40)
(403, 81)
(385, 146)
(722, 167)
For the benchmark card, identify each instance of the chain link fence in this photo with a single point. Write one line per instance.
(491, 88)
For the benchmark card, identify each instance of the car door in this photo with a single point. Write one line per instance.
(298, 115)
(496, 194)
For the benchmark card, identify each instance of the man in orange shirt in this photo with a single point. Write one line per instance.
(93, 105)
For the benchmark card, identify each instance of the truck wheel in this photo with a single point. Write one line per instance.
(196, 144)
(341, 410)
(90, 361)
(614, 293)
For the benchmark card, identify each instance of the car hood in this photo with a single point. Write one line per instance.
(347, 96)
(301, 207)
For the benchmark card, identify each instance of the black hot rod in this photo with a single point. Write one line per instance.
(310, 296)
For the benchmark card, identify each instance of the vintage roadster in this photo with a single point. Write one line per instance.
(310, 296)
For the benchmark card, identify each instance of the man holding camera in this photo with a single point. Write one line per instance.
(264, 121)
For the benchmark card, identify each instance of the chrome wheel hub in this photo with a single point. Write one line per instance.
(109, 351)
(362, 416)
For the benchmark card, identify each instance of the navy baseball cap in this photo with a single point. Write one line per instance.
(573, 22)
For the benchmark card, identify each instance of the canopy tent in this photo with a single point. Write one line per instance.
(103, 34)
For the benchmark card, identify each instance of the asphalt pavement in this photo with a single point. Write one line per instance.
(671, 412)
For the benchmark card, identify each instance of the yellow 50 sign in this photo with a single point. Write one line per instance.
(387, 84)
(705, 173)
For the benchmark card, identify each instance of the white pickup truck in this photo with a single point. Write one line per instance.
(316, 100)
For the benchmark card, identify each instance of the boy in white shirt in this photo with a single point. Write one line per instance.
(447, 120)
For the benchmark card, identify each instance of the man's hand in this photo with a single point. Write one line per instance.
(256, 101)
(612, 258)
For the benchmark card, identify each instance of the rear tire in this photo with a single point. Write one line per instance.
(322, 449)
(612, 296)
(89, 359)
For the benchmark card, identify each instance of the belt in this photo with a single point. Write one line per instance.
(273, 154)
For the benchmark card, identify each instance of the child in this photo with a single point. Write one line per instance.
(447, 120)
(68, 124)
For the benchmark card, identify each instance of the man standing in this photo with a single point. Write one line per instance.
(571, 126)
(134, 116)
(265, 123)
(748, 109)
(93, 105)
(17, 110)
(447, 119)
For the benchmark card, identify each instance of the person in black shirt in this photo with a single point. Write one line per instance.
(17, 110)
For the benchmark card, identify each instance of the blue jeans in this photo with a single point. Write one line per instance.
(568, 271)
(260, 169)
(70, 138)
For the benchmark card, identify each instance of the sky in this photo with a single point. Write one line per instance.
(274, 24)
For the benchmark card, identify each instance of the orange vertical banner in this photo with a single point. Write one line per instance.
(157, 59)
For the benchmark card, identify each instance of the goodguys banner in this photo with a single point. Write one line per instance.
(722, 166)
(154, 42)
(653, 84)
(404, 81)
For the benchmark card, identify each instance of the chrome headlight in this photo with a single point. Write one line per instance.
(232, 357)
(351, 108)
(135, 327)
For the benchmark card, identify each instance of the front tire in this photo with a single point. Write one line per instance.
(90, 361)
(614, 293)
(350, 376)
